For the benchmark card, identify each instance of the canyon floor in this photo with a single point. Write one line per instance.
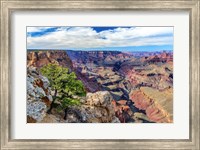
(121, 87)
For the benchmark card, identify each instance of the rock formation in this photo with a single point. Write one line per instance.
(121, 87)
(98, 108)
(41, 58)
(95, 108)
(97, 57)
(157, 105)
(38, 95)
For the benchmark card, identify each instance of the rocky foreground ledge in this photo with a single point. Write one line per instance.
(95, 107)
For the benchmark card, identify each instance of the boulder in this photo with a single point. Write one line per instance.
(100, 98)
(98, 108)
(36, 110)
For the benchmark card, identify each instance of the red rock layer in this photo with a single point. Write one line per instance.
(154, 111)
(41, 58)
(122, 111)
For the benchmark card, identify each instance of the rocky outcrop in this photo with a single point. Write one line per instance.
(95, 108)
(38, 95)
(41, 58)
(122, 111)
(98, 108)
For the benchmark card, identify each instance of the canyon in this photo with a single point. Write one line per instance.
(126, 87)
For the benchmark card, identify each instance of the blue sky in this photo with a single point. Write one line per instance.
(101, 38)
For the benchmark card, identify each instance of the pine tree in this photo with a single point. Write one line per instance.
(65, 85)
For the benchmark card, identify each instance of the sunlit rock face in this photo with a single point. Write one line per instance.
(41, 58)
(98, 108)
(158, 105)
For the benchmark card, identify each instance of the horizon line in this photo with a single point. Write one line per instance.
(101, 50)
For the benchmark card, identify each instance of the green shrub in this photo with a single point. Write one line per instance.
(65, 84)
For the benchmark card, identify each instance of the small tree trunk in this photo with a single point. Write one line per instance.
(66, 110)
(54, 98)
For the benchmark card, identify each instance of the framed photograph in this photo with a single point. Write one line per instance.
(100, 74)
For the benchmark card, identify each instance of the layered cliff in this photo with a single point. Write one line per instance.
(97, 57)
(41, 58)
(157, 105)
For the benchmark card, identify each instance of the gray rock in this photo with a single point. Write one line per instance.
(45, 81)
(36, 110)
(100, 98)
(50, 97)
(39, 92)
(115, 120)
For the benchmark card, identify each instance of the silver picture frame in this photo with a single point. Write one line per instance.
(11, 6)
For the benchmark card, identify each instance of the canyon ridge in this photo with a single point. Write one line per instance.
(120, 87)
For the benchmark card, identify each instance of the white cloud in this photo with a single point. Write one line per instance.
(127, 33)
(86, 37)
(37, 29)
